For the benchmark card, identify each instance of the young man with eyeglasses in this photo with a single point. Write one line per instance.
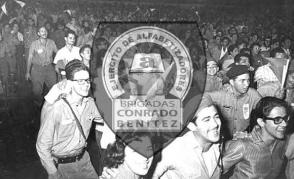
(261, 153)
(65, 126)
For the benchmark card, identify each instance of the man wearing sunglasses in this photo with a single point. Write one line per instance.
(65, 126)
(261, 154)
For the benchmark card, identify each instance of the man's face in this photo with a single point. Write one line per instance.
(15, 28)
(244, 61)
(225, 42)
(212, 68)
(255, 49)
(7, 28)
(60, 26)
(235, 52)
(81, 83)
(280, 55)
(30, 22)
(275, 45)
(43, 32)
(241, 83)
(208, 124)
(218, 39)
(276, 131)
(267, 42)
(287, 43)
(70, 39)
(102, 45)
(86, 54)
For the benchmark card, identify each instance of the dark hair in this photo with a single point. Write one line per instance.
(231, 48)
(84, 47)
(237, 58)
(74, 66)
(265, 106)
(254, 44)
(69, 31)
(42, 26)
(274, 51)
(224, 38)
(285, 38)
(245, 50)
(115, 153)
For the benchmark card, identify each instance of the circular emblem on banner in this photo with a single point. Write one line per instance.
(147, 72)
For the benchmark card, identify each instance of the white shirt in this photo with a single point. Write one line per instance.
(66, 55)
(223, 52)
(265, 74)
(184, 159)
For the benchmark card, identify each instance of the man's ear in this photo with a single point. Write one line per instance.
(260, 122)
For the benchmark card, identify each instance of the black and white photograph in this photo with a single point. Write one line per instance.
(146, 89)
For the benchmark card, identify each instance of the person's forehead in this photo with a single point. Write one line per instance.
(206, 112)
(244, 58)
(71, 35)
(211, 63)
(244, 76)
(87, 49)
(81, 75)
(42, 29)
(278, 111)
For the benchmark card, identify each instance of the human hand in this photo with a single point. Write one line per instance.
(280, 93)
(240, 135)
(109, 173)
(27, 76)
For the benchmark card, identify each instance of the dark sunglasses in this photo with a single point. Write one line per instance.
(278, 120)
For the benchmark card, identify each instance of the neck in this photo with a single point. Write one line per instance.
(236, 93)
(204, 144)
(69, 46)
(267, 138)
(43, 40)
(130, 171)
(75, 98)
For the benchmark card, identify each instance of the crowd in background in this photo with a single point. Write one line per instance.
(217, 39)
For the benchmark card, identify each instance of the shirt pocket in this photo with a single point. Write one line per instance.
(66, 128)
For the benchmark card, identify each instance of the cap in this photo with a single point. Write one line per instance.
(237, 70)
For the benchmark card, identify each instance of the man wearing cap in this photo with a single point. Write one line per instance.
(236, 101)
(196, 154)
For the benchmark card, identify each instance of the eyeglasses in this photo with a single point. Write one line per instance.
(83, 81)
(278, 120)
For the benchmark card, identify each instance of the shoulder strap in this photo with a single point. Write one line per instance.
(76, 119)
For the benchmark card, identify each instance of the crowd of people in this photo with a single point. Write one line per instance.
(242, 63)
